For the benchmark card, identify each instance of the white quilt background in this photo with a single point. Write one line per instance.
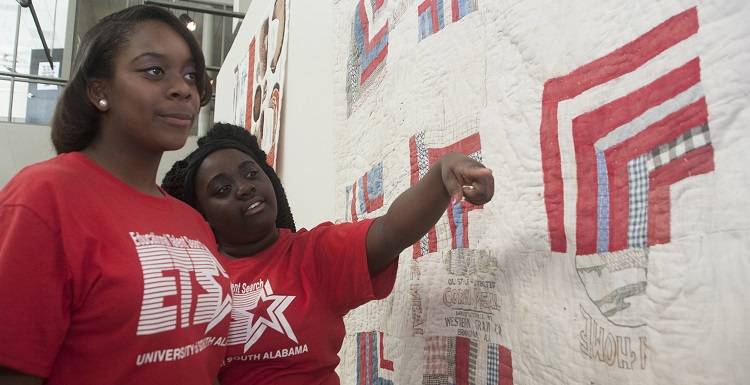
(508, 303)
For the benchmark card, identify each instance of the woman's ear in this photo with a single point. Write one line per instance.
(97, 95)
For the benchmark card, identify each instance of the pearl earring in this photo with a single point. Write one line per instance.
(104, 103)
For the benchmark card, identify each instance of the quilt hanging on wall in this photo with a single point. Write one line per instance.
(259, 80)
(617, 247)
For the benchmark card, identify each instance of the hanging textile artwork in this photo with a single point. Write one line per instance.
(616, 248)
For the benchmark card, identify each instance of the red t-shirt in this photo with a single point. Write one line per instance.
(102, 284)
(289, 303)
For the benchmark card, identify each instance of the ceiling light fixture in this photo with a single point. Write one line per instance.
(189, 22)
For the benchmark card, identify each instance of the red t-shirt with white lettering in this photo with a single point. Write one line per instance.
(102, 284)
(289, 303)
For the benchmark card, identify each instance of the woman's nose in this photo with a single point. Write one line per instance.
(180, 88)
(245, 189)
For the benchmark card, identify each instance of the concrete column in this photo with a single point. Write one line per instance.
(207, 43)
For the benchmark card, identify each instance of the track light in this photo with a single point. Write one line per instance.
(189, 22)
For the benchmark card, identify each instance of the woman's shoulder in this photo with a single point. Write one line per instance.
(342, 226)
(48, 178)
(326, 233)
(329, 234)
(58, 168)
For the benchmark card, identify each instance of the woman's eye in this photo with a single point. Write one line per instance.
(222, 190)
(191, 76)
(251, 174)
(154, 71)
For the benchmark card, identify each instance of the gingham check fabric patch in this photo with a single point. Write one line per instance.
(638, 201)
(691, 139)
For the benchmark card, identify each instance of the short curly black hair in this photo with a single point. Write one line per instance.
(174, 180)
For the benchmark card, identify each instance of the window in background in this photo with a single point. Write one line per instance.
(24, 99)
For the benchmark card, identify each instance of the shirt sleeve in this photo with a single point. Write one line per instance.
(382, 283)
(35, 292)
(341, 257)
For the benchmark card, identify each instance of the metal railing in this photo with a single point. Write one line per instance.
(32, 78)
(14, 77)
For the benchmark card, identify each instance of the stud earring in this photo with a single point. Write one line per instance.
(104, 103)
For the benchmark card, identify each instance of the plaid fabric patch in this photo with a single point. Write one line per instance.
(473, 355)
(435, 379)
(638, 201)
(691, 139)
(453, 360)
(450, 357)
(602, 204)
(493, 360)
(435, 355)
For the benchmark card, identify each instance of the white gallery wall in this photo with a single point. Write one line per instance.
(305, 155)
(22, 145)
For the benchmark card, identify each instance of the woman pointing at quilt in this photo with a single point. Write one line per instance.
(291, 290)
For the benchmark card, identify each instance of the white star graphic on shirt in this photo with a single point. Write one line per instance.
(272, 317)
(225, 308)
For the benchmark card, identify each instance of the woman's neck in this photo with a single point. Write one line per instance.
(246, 250)
(138, 172)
